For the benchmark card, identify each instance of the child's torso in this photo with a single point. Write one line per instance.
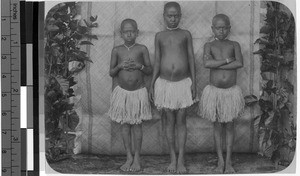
(174, 64)
(130, 79)
(219, 77)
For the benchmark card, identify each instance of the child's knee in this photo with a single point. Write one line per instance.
(126, 127)
(181, 120)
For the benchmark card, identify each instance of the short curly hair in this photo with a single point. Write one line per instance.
(172, 4)
(131, 21)
(222, 17)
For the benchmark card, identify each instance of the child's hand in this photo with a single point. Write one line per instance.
(151, 94)
(135, 65)
(125, 65)
(230, 59)
(194, 91)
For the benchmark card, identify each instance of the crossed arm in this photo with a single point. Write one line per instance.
(220, 63)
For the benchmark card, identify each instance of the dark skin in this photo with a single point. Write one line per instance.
(130, 64)
(174, 55)
(174, 61)
(223, 57)
(222, 75)
(126, 64)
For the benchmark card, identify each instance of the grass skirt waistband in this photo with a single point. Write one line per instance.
(222, 105)
(173, 95)
(130, 107)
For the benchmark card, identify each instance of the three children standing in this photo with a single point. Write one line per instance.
(173, 86)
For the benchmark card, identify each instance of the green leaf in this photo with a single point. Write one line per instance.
(73, 24)
(76, 66)
(63, 83)
(52, 28)
(250, 100)
(263, 41)
(265, 29)
(88, 24)
(268, 152)
(268, 68)
(269, 84)
(78, 57)
(91, 36)
(94, 25)
(65, 18)
(270, 118)
(288, 86)
(275, 56)
(82, 29)
(86, 43)
(73, 120)
(265, 105)
(93, 19)
(260, 51)
(77, 36)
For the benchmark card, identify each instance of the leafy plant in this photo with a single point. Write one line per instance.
(277, 133)
(65, 33)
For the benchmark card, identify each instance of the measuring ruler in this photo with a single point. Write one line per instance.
(10, 87)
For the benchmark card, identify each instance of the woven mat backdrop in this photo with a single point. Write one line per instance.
(96, 133)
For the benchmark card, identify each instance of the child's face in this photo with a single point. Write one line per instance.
(129, 32)
(221, 29)
(172, 17)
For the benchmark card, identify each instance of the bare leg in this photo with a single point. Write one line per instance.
(138, 136)
(127, 143)
(181, 129)
(229, 142)
(218, 142)
(170, 130)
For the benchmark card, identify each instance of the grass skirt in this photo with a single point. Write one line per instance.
(173, 95)
(222, 105)
(130, 107)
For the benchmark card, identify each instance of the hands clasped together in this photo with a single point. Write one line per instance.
(130, 65)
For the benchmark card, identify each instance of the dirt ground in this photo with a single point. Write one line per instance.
(201, 163)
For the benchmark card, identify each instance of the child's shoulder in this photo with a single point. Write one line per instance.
(165, 32)
(213, 42)
(141, 46)
(233, 43)
(160, 33)
(208, 44)
(185, 31)
(117, 48)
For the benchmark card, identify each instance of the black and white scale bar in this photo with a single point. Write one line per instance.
(30, 158)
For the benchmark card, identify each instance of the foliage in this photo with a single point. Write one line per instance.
(277, 133)
(65, 34)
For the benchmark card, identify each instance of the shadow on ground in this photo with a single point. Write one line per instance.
(201, 163)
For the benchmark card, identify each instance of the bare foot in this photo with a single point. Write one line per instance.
(126, 166)
(136, 165)
(220, 168)
(229, 169)
(172, 167)
(181, 169)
